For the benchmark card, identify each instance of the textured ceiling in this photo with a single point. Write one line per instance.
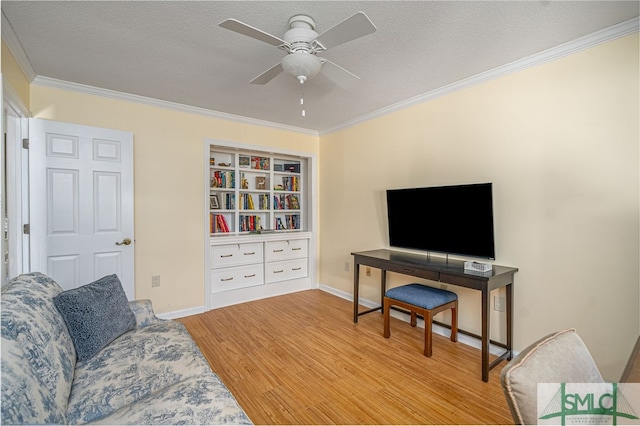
(175, 51)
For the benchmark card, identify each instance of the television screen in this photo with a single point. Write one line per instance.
(455, 219)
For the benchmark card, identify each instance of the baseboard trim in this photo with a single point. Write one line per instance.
(181, 313)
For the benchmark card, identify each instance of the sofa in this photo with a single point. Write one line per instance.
(152, 373)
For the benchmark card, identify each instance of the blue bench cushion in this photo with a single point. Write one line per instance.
(421, 295)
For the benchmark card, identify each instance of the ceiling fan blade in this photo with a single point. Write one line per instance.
(268, 75)
(248, 30)
(355, 26)
(337, 74)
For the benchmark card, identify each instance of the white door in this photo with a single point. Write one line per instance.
(81, 203)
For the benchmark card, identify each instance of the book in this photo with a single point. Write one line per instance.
(222, 224)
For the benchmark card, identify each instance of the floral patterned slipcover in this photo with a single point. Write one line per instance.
(154, 374)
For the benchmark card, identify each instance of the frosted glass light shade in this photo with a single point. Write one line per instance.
(301, 65)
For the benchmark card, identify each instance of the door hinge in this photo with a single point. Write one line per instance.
(25, 143)
(26, 228)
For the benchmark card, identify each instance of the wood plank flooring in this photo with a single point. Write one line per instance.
(300, 359)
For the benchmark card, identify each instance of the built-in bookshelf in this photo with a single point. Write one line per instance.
(260, 223)
(254, 192)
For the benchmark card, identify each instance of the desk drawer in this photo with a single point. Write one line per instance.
(469, 282)
(236, 277)
(286, 270)
(414, 272)
(235, 254)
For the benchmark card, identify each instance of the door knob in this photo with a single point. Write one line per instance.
(124, 242)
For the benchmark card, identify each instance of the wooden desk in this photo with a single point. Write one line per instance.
(446, 271)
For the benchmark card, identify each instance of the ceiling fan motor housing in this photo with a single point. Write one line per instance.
(301, 34)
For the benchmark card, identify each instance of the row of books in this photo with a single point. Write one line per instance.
(250, 223)
(217, 224)
(222, 179)
(260, 163)
(291, 183)
(228, 201)
(246, 201)
(286, 202)
(289, 221)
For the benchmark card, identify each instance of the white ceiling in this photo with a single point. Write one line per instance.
(175, 51)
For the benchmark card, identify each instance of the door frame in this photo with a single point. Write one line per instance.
(15, 184)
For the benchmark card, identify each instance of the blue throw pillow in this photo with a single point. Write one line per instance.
(95, 314)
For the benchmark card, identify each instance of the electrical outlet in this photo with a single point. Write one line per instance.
(498, 303)
(346, 266)
(155, 281)
(368, 272)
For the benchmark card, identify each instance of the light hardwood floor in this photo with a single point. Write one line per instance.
(300, 359)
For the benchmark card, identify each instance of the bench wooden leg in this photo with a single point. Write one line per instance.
(454, 322)
(414, 319)
(428, 334)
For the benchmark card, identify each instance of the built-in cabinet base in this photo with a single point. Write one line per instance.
(246, 268)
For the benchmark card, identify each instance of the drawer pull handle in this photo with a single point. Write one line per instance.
(297, 248)
(226, 255)
(278, 272)
(250, 276)
(296, 269)
(278, 251)
(250, 253)
(226, 279)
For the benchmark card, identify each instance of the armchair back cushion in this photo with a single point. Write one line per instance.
(561, 357)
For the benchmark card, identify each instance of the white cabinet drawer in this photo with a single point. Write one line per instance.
(235, 254)
(285, 270)
(285, 249)
(236, 277)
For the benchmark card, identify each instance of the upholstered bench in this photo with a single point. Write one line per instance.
(422, 300)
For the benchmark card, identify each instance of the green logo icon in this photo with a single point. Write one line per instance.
(586, 403)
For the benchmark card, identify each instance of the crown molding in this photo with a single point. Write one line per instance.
(10, 39)
(608, 34)
(112, 94)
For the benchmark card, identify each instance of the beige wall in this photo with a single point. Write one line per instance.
(168, 182)
(560, 144)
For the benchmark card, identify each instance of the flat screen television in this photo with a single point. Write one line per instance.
(456, 219)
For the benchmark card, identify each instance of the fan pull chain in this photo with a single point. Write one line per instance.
(302, 102)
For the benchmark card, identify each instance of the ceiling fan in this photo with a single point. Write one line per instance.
(302, 44)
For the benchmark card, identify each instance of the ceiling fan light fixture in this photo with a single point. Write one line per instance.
(302, 66)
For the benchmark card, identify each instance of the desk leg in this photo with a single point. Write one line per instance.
(383, 287)
(356, 285)
(510, 321)
(485, 335)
